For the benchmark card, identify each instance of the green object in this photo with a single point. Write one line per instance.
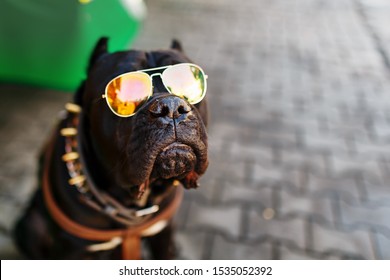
(48, 42)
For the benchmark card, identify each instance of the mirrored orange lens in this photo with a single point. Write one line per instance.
(126, 93)
(185, 80)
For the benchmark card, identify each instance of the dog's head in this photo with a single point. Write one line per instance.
(166, 139)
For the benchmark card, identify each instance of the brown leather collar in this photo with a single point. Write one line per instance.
(130, 237)
(82, 179)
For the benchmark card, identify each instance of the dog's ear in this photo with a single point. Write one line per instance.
(176, 45)
(99, 50)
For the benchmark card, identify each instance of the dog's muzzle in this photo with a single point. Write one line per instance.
(177, 159)
(168, 141)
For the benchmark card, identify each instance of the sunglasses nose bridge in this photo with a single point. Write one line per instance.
(158, 85)
(154, 75)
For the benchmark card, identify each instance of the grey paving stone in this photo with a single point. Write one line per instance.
(383, 246)
(316, 208)
(345, 187)
(303, 161)
(378, 193)
(286, 253)
(374, 13)
(372, 215)
(8, 250)
(250, 195)
(254, 151)
(341, 166)
(226, 219)
(190, 246)
(291, 230)
(267, 174)
(9, 212)
(357, 243)
(223, 250)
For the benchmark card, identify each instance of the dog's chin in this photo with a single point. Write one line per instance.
(174, 162)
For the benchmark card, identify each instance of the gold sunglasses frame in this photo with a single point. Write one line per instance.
(150, 77)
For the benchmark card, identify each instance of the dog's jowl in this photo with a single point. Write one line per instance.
(113, 171)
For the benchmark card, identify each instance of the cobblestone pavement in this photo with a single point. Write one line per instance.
(299, 134)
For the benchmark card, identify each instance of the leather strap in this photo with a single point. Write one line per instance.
(131, 247)
(131, 236)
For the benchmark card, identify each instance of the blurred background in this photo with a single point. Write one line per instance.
(300, 116)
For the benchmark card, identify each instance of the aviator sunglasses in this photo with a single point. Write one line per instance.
(126, 93)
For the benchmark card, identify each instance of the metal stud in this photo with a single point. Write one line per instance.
(77, 180)
(69, 131)
(70, 156)
(73, 108)
(176, 183)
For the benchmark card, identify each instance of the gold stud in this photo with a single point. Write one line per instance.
(69, 131)
(70, 156)
(176, 183)
(72, 108)
(77, 180)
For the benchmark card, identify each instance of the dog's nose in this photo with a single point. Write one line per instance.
(170, 106)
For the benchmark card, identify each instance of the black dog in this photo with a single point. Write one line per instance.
(106, 181)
